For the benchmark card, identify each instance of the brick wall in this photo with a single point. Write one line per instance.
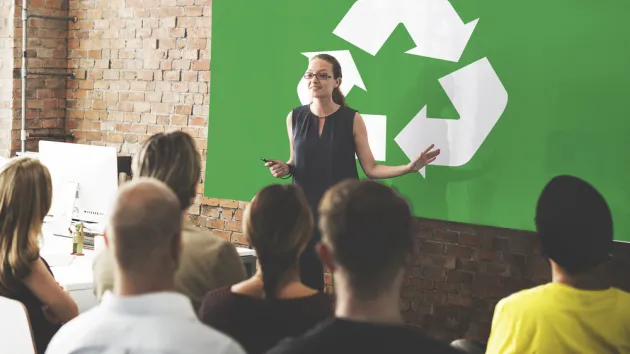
(461, 271)
(46, 52)
(142, 67)
(6, 74)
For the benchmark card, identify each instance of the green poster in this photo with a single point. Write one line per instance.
(513, 93)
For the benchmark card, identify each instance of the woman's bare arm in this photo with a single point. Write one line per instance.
(46, 289)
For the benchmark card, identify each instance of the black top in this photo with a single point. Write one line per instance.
(344, 336)
(257, 324)
(43, 331)
(320, 162)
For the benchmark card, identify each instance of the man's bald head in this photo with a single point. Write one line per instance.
(145, 225)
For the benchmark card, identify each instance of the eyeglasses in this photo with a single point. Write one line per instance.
(320, 76)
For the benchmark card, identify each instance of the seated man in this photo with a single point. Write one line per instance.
(579, 311)
(208, 262)
(144, 313)
(366, 243)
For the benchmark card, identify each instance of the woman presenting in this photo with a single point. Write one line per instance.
(324, 137)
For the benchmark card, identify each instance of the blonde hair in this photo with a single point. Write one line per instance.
(25, 199)
(278, 224)
(172, 158)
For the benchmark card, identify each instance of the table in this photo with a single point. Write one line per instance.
(74, 273)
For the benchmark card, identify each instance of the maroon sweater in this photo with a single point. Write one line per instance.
(259, 324)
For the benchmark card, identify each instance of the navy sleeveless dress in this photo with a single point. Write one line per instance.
(320, 162)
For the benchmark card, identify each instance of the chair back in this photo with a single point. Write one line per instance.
(15, 328)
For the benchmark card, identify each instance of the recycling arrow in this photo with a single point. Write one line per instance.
(435, 27)
(480, 99)
(351, 75)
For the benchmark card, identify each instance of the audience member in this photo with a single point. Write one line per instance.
(208, 262)
(367, 243)
(25, 198)
(273, 304)
(144, 314)
(578, 311)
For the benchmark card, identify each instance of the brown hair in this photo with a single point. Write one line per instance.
(372, 215)
(278, 224)
(25, 199)
(337, 95)
(172, 158)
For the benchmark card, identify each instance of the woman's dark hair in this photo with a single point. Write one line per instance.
(278, 224)
(337, 95)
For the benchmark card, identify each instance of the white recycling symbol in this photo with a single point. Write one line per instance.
(438, 33)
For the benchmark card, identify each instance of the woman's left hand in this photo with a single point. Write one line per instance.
(426, 157)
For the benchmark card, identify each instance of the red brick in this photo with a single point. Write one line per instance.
(201, 65)
(434, 298)
(215, 224)
(238, 238)
(443, 262)
(429, 247)
(459, 300)
(468, 239)
(458, 251)
(434, 272)
(445, 236)
(228, 203)
(486, 255)
(210, 201)
(447, 287)
(460, 277)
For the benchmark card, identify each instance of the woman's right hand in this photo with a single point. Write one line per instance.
(277, 168)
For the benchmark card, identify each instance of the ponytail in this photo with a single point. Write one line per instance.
(338, 97)
(273, 270)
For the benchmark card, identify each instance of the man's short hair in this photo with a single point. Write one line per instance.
(145, 218)
(369, 227)
(574, 224)
(174, 159)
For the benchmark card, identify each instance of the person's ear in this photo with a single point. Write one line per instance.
(106, 238)
(325, 255)
(176, 247)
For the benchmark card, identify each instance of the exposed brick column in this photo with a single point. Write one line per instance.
(6, 75)
(46, 51)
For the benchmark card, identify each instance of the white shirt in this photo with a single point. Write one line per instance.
(157, 323)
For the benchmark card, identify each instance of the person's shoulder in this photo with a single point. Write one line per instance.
(77, 332)
(523, 298)
(208, 337)
(313, 341)
(193, 238)
(623, 300)
(216, 299)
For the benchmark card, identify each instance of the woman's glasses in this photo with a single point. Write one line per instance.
(320, 76)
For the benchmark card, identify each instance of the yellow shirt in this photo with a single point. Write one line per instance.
(556, 318)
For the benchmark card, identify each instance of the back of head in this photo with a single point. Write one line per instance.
(278, 223)
(574, 224)
(25, 199)
(172, 158)
(145, 226)
(369, 228)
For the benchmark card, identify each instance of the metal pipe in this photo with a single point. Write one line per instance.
(51, 17)
(51, 136)
(34, 72)
(23, 131)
